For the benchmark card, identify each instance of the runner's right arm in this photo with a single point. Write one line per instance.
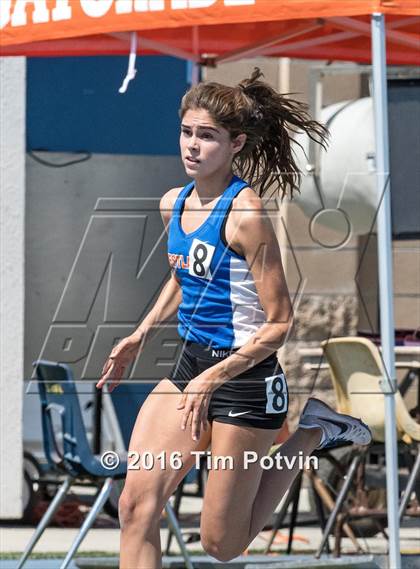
(164, 308)
(170, 297)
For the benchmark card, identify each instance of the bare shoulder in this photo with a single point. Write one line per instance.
(167, 203)
(168, 199)
(247, 206)
(246, 220)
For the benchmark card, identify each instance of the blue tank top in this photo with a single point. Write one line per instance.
(220, 305)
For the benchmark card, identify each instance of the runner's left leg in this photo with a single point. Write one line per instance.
(239, 501)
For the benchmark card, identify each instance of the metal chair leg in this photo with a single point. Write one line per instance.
(325, 496)
(338, 534)
(90, 518)
(177, 504)
(410, 485)
(46, 518)
(173, 522)
(339, 502)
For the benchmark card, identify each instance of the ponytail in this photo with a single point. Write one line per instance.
(253, 107)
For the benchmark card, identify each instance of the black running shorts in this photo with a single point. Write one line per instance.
(257, 398)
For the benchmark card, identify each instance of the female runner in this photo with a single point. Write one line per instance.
(228, 287)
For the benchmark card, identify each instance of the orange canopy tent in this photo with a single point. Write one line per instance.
(208, 32)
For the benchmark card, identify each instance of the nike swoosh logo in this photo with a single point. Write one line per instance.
(237, 414)
(339, 424)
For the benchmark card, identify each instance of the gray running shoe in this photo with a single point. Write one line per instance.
(336, 427)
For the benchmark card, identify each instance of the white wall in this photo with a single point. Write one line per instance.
(12, 280)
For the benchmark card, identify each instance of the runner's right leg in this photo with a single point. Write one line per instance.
(157, 429)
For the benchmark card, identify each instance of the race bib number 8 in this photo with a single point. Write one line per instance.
(200, 254)
(276, 390)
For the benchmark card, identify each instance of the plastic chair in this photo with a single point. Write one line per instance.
(356, 371)
(69, 454)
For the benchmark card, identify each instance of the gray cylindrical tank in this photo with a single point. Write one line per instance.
(343, 196)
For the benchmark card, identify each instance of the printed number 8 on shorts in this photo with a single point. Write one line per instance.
(277, 395)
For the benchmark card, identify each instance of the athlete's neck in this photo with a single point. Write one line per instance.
(208, 189)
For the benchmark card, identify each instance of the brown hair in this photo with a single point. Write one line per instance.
(265, 116)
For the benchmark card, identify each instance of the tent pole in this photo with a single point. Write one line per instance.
(389, 384)
(193, 73)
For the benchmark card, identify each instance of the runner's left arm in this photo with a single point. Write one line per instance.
(256, 238)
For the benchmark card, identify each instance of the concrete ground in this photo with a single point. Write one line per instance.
(58, 540)
(104, 541)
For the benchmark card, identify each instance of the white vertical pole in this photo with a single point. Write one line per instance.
(12, 280)
(195, 72)
(386, 280)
